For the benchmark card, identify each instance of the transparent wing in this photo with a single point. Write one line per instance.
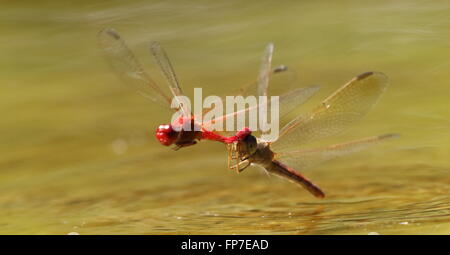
(305, 159)
(166, 67)
(260, 87)
(265, 71)
(287, 102)
(128, 68)
(250, 89)
(347, 105)
(293, 99)
(282, 75)
(264, 75)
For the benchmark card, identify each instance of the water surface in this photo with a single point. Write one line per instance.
(78, 152)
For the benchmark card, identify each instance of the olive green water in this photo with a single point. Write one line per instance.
(77, 152)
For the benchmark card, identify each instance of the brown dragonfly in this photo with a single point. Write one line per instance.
(282, 156)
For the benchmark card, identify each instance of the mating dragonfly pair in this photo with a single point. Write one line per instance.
(280, 157)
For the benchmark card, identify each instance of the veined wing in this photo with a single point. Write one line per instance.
(128, 67)
(265, 71)
(166, 67)
(251, 88)
(264, 75)
(306, 159)
(261, 86)
(287, 102)
(344, 107)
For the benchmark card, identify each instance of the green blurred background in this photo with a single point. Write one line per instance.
(78, 153)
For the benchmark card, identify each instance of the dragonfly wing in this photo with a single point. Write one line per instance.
(128, 67)
(265, 71)
(166, 67)
(264, 76)
(293, 99)
(249, 89)
(344, 107)
(279, 75)
(290, 101)
(257, 88)
(306, 159)
(287, 103)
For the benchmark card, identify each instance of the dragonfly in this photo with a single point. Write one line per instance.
(282, 157)
(128, 68)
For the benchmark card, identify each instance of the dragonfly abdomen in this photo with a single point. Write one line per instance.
(279, 169)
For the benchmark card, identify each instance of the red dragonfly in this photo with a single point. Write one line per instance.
(283, 158)
(131, 72)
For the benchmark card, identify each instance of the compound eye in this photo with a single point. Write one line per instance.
(251, 144)
(165, 135)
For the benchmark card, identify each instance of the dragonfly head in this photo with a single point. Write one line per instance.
(239, 136)
(251, 144)
(166, 135)
(244, 133)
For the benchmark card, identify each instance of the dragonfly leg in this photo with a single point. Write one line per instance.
(233, 155)
(184, 144)
(236, 161)
(241, 166)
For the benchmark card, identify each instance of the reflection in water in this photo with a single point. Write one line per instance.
(79, 156)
